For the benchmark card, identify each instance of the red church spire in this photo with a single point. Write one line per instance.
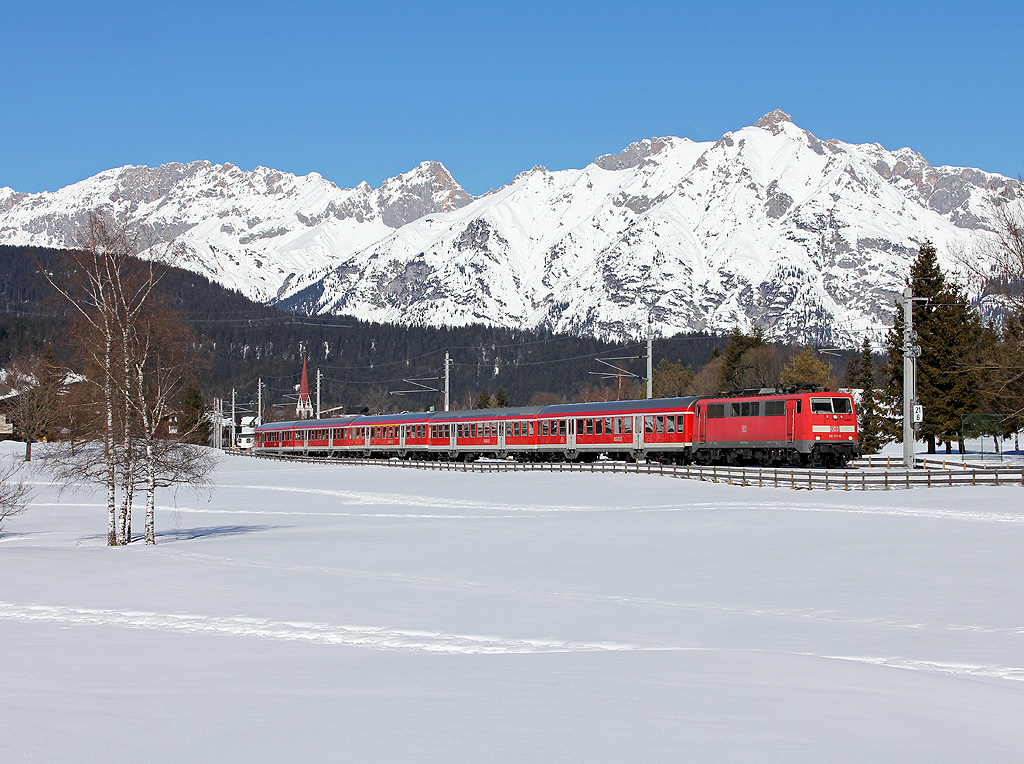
(304, 409)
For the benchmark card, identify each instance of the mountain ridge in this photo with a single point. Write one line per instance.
(767, 226)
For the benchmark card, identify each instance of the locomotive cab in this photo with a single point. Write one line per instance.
(831, 429)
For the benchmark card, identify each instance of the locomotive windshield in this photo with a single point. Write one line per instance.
(831, 406)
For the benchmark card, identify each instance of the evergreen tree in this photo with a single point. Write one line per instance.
(739, 343)
(949, 333)
(483, 401)
(193, 425)
(870, 422)
(501, 400)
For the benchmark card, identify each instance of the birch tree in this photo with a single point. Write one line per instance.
(108, 289)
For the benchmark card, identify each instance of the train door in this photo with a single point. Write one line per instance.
(403, 433)
(700, 426)
(638, 432)
(501, 436)
(570, 437)
(791, 409)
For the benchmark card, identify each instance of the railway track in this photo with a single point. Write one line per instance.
(874, 473)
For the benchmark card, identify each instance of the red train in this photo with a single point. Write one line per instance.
(800, 428)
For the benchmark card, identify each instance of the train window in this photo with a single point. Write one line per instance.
(649, 424)
(627, 425)
(618, 425)
(590, 427)
(544, 427)
(755, 408)
(532, 429)
(598, 427)
(563, 428)
(670, 424)
(821, 405)
(716, 410)
(842, 406)
(609, 423)
(659, 425)
(736, 409)
(775, 408)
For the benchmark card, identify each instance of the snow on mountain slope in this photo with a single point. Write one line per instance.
(768, 225)
(252, 231)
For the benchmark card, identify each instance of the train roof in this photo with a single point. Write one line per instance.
(645, 404)
(507, 413)
(339, 421)
(558, 409)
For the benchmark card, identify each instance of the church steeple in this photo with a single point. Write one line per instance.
(304, 409)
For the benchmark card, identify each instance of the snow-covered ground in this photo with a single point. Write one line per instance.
(310, 613)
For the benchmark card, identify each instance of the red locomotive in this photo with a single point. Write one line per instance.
(770, 428)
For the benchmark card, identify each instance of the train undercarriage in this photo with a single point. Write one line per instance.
(824, 455)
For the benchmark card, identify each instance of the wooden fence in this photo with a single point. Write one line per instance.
(859, 477)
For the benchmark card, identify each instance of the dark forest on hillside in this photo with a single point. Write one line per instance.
(241, 341)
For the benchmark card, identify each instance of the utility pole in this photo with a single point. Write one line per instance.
(231, 440)
(447, 378)
(218, 423)
(650, 356)
(912, 413)
(318, 393)
(259, 401)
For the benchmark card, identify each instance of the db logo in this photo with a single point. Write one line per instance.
(835, 428)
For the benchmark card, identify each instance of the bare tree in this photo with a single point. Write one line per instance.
(14, 494)
(38, 383)
(996, 267)
(135, 356)
(161, 361)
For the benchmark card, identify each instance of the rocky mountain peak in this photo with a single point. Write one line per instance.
(770, 120)
(633, 155)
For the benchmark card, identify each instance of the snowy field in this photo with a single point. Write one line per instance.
(310, 613)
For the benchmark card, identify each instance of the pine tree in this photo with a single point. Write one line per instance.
(501, 400)
(870, 422)
(739, 343)
(193, 425)
(949, 333)
(483, 401)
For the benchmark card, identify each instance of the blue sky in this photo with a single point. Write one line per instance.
(366, 91)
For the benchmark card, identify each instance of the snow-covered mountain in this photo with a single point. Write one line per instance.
(251, 231)
(769, 225)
